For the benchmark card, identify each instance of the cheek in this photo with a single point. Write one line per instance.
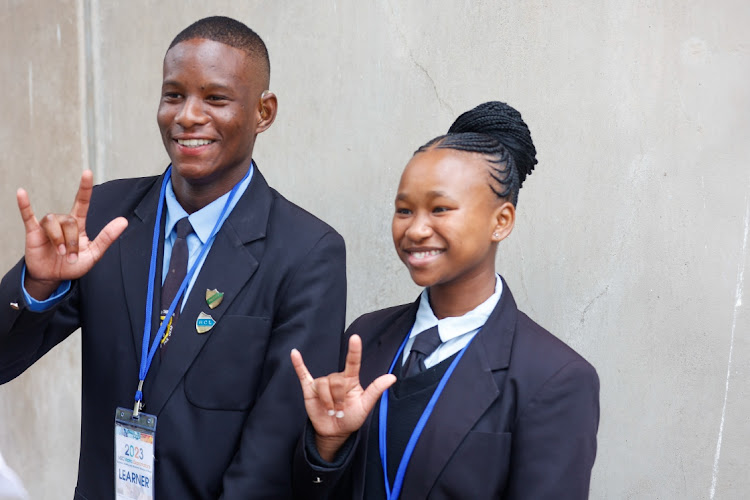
(164, 116)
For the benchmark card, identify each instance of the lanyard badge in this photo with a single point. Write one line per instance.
(135, 432)
(398, 481)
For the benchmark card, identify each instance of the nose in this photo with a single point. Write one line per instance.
(191, 113)
(419, 229)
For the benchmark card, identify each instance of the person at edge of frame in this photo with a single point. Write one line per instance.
(477, 401)
(227, 401)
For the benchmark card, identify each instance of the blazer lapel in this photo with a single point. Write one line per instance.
(228, 267)
(135, 254)
(385, 348)
(466, 397)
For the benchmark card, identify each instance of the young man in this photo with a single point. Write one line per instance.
(249, 278)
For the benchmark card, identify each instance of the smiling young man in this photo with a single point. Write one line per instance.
(195, 287)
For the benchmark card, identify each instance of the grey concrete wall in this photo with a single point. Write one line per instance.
(631, 243)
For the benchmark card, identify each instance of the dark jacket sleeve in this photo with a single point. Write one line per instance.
(554, 444)
(25, 336)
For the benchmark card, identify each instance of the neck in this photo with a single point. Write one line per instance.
(456, 299)
(193, 196)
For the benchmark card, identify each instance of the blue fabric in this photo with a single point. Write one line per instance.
(43, 305)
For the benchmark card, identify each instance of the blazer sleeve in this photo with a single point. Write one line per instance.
(25, 336)
(311, 318)
(554, 443)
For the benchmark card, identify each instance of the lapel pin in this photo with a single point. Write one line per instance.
(214, 298)
(204, 323)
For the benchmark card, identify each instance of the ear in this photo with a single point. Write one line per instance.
(267, 107)
(505, 219)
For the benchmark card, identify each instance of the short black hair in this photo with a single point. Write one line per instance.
(497, 131)
(229, 32)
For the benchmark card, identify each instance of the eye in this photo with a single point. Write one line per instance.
(403, 211)
(172, 95)
(217, 98)
(439, 210)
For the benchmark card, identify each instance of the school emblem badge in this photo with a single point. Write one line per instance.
(204, 323)
(214, 298)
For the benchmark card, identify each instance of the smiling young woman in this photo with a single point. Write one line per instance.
(477, 400)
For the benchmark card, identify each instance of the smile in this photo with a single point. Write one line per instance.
(424, 255)
(193, 143)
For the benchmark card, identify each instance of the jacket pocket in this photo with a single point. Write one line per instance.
(226, 374)
(478, 469)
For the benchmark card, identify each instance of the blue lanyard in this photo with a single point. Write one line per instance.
(398, 481)
(147, 355)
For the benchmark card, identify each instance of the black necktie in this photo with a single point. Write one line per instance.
(424, 345)
(176, 274)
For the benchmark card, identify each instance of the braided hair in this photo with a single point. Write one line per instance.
(498, 132)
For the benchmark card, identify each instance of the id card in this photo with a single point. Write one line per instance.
(134, 455)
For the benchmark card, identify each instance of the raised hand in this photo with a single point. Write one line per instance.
(57, 247)
(336, 404)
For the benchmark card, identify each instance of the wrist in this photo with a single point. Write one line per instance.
(328, 446)
(39, 289)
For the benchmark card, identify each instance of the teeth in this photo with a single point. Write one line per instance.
(422, 255)
(192, 143)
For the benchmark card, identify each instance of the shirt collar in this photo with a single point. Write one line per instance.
(452, 327)
(203, 220)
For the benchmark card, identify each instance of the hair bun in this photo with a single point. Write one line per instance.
(503, 122)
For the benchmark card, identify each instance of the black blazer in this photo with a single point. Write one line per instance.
(517, 419)
(228, 402)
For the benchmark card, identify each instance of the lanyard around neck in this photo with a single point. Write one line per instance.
(147, 355)
(398, 481)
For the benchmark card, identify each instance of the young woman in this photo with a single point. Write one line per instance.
(477, 400)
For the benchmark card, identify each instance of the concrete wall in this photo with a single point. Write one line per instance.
(631, 243)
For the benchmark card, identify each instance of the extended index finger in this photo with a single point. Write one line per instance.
(83, 197)
(353, 357)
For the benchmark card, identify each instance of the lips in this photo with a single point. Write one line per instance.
(422, 257)
(192, 143)
(192, 146)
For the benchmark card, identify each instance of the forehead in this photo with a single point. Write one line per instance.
(200, 58)
(446, 170)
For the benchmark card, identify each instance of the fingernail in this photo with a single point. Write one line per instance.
(61, 249)
(72, 258)
(339, 414)
(331, 413)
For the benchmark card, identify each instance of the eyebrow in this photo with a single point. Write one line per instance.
(210, 86)
(430, 194)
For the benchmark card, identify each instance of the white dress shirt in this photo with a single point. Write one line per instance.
(455, 332)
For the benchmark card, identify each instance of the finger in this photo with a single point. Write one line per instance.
(305, 379)
(69, 227)
(27, 214)
(375, 390)
(340, 387)
(106, 237)
(353, 357)
(83, 197)
(323, 388)
(50, 224)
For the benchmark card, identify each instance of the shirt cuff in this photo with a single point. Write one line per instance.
(44, 305)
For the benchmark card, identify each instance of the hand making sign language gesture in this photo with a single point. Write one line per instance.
(57, 247)
(336, 404)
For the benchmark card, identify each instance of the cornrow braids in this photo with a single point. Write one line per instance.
(498, 132)
(229, 32)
